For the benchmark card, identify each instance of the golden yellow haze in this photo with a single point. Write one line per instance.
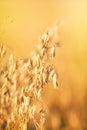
(23, 21)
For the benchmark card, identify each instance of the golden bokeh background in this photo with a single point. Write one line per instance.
(23, 21)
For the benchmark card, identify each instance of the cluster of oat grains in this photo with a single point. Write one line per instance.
(22, 82)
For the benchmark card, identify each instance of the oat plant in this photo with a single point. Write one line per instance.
(22, 82)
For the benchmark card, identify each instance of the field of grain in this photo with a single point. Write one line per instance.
(21, 25)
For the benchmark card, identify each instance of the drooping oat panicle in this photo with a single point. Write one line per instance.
(22, 82)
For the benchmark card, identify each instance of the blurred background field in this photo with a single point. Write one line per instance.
(21, 24)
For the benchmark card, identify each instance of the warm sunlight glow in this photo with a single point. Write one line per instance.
(21, 24)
